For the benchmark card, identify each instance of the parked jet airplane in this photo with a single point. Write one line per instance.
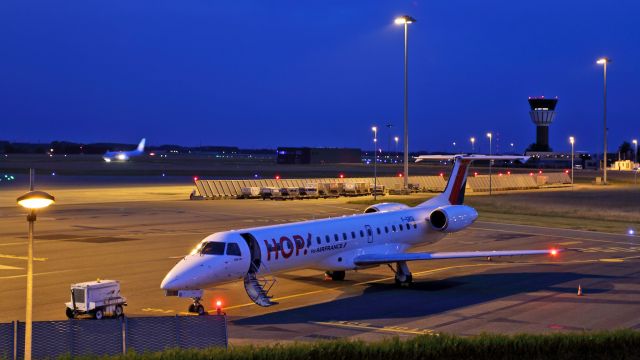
(382, 235)
(110, 156)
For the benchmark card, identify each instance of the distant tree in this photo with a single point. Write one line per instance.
(625, 150)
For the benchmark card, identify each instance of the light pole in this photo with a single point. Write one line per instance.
(473, 142)
(396, 139)
(635, 154)
(489, 135)
(604, 61)
(406, 20)
(375, 162)
(454, 147)
(572, 140)
(389, 126)
(32, 200)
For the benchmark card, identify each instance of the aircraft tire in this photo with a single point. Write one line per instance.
(337, 275)
(200, 310)
(192, 308)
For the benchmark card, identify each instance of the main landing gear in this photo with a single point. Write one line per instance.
(335, 275)
(403, 276)
(196, 307)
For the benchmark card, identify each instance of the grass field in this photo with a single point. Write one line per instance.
(611, 209)
(621, 344)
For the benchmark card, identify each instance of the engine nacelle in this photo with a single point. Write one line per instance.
(384, 207)
(452, 218)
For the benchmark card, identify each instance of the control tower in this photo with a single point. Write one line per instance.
(542, 113)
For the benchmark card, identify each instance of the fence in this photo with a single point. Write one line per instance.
(113, 336)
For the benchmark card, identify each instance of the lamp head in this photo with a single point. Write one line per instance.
(489, 135)
(572, 140)
(404, 19)
(635, 142)
(374, 128)
(603, 60)
(35, 200)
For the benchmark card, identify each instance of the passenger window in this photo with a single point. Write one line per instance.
(335, 236)
(386, 230)
(378, 231)
(213, 248)
(318, 240)
(393, 228)
(327, 239)
(371, 232)
(353, 234)
(233, 249)
(361, 233)
(344, 236)
(415, 226)
(400, 226)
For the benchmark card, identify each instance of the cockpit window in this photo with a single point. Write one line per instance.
(213, 248)
(233, 249)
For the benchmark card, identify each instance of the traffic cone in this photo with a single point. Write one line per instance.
(579, 290)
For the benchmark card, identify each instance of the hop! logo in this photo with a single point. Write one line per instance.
(286, 246)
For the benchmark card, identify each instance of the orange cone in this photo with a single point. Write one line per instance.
(579, 290)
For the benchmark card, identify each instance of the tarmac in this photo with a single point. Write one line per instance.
(135, 234)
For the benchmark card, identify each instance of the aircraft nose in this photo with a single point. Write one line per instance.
(188, 274)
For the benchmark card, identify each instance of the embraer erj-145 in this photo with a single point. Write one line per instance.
(382, 235)
(110, 156)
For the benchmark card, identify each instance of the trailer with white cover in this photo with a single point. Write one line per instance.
(96, 298)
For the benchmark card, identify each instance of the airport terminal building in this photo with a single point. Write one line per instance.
(306, 155)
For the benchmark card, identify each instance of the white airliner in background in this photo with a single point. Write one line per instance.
(110, 156)
(382, 235)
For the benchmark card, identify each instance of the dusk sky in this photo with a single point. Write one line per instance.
(315, 73)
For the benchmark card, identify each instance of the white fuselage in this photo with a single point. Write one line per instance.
(327, 244)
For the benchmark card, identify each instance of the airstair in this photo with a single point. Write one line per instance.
(258, 286)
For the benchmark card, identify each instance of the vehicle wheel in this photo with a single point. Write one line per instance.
(192, 308)
(118, 312)
(98, 314)
(200, 310)
(70, 313)
(336, 275)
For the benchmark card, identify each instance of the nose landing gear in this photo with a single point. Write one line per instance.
(196, 307)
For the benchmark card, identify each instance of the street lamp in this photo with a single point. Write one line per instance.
(635, 154)
(406, 20)
(396, 139)
(490, 136)
(572, 140)
(604, 61)
(454, 147)
(32, 201)
(473, 142)
(375, 162)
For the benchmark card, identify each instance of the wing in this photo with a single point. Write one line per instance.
(373, 259)
(472, 157)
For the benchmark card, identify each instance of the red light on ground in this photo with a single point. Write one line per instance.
(277, 177)
(566, 171)
(400, 175)
(508, 172)
(441, 174)
(195, 178)
(341, 176)
(540, 172)
(554, 252)
(530, 174)
(219, 307)
(475, 174)
(218, 303)
(499, 174)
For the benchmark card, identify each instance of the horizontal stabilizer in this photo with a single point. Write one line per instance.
(375, 259)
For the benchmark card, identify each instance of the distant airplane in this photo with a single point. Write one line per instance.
(380, 236)
(110, 156)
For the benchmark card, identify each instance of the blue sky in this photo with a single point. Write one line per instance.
(314, 73)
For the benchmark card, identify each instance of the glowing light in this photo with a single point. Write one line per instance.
(475, 174)
(499, 174)
(195, 178)
(152, 154)
(218, 303)
(572, 140)
(530, 174)
(489, 135)
(554, 252)
(404, 19)
(603, 60)
(441, 174)
(121, 157)
(631, 232)
(341, 176)
(508, 172)
(374, 128)
(35, 200)
(566, 171)
(400, 175)
(277, 177)
(540, 172)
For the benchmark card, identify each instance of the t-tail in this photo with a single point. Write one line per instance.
(454, 191)
(141, 145)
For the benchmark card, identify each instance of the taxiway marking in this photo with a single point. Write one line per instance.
(558, 236)
(7, 256)
(367, 326)
(7, 267)
(38, 274)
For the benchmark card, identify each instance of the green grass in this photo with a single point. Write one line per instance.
(619, 344)
(611, 209)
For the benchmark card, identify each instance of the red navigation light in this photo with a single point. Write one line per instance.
(499, 174)
(530, 174)
(400, 175)
(341, 176)
(277, 177)
(554, 252)
(195, 178)
(566, 171)
(219, 307)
